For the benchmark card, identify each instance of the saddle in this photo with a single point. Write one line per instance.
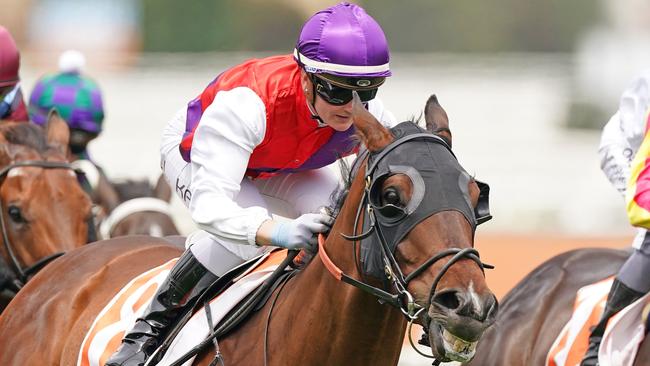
(250, 303)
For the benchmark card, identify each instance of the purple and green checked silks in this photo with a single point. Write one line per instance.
(77, 99)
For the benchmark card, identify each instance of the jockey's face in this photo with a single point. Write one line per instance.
(335, 113)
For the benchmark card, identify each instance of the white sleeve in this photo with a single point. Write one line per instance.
(383, 115)
(623, 134)
(230, 128)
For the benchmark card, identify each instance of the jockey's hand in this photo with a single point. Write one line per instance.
(301, 232)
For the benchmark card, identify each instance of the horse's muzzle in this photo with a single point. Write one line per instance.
(457, 322)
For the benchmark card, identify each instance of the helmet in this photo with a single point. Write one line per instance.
(346, 45)
(9, 59)
(77, 98)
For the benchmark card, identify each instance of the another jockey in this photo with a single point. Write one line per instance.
(263, 132)
(12, 106)
(78, 100)
(624, 151)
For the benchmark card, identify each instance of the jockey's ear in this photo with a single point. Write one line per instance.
(162, 190)
(436, 119)
(57, 131)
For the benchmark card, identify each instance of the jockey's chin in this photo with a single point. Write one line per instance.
(339, 122)
(339, 117)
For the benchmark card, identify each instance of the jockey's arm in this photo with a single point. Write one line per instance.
(623, 134)
(637, 196)
(231, 127)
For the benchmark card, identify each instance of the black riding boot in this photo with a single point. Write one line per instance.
(619, 297)
(187, 279)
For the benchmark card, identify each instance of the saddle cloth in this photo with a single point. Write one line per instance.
(624, 332)
(119, 314)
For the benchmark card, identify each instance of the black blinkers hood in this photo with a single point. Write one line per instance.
(439, 184)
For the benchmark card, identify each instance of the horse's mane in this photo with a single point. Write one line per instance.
(129, 189)
(341, 192)
(26, 134)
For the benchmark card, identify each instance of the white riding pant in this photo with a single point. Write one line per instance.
(287, 195)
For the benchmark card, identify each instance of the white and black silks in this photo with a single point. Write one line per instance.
(439, 184)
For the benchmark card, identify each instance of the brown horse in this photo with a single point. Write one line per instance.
(43, 210)
(143, 210)
(410, 181)
(534, 312)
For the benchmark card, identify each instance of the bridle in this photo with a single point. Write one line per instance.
(402, 298)
(23, 274)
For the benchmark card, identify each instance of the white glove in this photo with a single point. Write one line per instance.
(301, 232)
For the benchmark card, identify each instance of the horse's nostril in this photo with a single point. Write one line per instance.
(450, 299)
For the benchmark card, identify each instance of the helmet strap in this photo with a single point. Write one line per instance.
(311, 105)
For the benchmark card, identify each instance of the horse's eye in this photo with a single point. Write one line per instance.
(16, 215)
(391, 197)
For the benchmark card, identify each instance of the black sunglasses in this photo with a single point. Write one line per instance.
(337, 95)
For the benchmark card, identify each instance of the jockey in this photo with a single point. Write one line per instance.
(78, 100)
(12, 106)
(263, 132)
(624, 151)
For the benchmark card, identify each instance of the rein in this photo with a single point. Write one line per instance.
(23, 274)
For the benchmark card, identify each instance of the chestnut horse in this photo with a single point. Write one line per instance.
(43, 210)
(534, 312)
(409, 214)
(143, 210)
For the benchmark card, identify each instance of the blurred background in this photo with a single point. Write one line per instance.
(527, 86)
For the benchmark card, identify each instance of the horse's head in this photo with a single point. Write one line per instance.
(420, 210)
(43, 210)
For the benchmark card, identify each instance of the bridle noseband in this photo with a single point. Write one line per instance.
(23, 274)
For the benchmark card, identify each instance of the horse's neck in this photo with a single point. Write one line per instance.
(352, 326)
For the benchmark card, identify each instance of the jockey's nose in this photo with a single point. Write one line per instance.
(466, 304)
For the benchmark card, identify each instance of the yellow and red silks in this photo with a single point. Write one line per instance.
(637, 196)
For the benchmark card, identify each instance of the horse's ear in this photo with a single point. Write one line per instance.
(436, 119)
(57, 132)
(372, 133)
(162, 190)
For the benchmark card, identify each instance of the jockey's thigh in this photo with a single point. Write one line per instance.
(635, 272)
(303, 192)
(212, 253)
(218, 254)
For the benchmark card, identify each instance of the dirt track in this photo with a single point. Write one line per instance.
(516, 255)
